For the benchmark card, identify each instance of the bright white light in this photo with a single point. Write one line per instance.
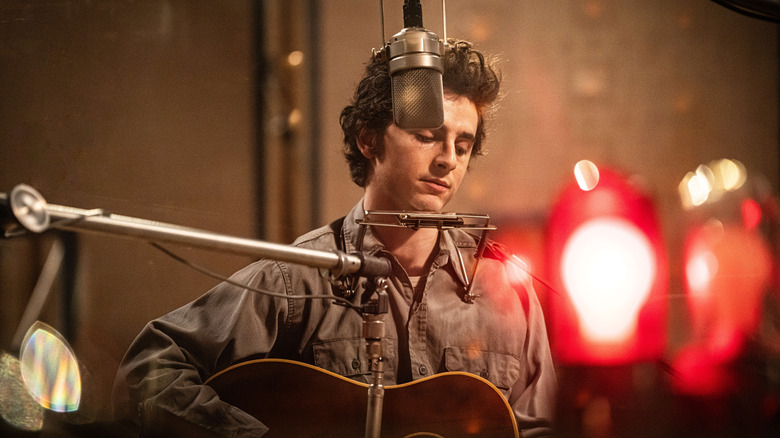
(518, 269)
(608, 268)
(709, 182)
(732, 174)
(699, 187)
(699, 271)
(587, 175)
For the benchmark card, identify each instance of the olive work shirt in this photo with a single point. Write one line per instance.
(501, 336)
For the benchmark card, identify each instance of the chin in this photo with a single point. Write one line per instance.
(435, 206)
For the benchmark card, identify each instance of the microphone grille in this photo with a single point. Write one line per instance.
(418, 98)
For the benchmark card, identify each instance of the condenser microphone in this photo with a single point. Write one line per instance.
(415, 67)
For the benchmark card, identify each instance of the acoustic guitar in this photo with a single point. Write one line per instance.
(299, 400)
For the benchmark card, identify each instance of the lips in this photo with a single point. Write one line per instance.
(438, 185)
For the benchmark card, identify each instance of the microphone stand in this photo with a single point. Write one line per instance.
(31, 212)
(376, 304)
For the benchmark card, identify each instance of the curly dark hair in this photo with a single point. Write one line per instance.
(467, 73)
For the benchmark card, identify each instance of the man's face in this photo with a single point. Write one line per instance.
(420, 170)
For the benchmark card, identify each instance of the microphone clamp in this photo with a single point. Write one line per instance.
(415, 47)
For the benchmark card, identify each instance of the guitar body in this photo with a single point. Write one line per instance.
(299, 400)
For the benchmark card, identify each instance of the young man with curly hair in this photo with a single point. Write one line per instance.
(430, 327)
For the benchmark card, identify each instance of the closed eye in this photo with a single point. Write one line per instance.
(424, 138)
(463, 148)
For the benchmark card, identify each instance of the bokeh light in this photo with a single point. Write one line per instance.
(710, 181)
(587, 175)
(608, 268)
(605, 255)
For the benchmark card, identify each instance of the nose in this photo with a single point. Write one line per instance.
(447, 158)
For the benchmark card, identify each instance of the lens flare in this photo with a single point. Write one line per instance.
(50, 370)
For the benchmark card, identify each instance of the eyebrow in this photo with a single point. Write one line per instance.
(462, 134)
(467, 135)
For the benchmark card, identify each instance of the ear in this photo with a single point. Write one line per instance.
(366, 141)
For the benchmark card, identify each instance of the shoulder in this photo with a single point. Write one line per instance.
(324, 237)
(498, 251)
(516, 271)
(489, 248)
(270, 269)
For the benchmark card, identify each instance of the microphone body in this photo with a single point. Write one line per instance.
(415, 68)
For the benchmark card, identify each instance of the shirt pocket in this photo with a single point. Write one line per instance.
(502, 370)
(349, 358)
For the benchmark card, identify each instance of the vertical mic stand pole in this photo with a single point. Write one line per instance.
(373, 332)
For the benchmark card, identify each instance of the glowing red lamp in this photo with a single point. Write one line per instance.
(728, 268)
(605, 258)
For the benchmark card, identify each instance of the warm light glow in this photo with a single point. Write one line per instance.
(50, 370)
(699, 270)
(731, 173)
(728, 268)
(587, 175)
(701, 372)
(751, 213)
(684, 192)
(695, 189)
(295, 117)
(590, 81)
(593, 8)
(518, 269)
(295, 58)
(606, 260)
(608, 267)
(709, 182)
(700, 185)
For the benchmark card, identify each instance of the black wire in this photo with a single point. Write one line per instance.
(747, 11)
(202, 270)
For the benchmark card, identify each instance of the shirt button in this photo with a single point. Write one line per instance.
(484, 374)
(355, 364)
(423, 370)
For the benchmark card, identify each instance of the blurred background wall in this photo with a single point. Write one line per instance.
(223, 115)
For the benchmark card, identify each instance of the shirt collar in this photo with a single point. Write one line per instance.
(451, 243)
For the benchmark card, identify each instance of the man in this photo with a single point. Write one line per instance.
(430, 327)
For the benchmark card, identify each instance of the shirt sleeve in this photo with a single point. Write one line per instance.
(533, 398)
(160, 382)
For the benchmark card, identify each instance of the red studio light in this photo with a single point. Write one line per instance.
(728, 268)
(605, 258)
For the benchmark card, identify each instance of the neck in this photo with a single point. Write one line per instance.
(412, 248)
